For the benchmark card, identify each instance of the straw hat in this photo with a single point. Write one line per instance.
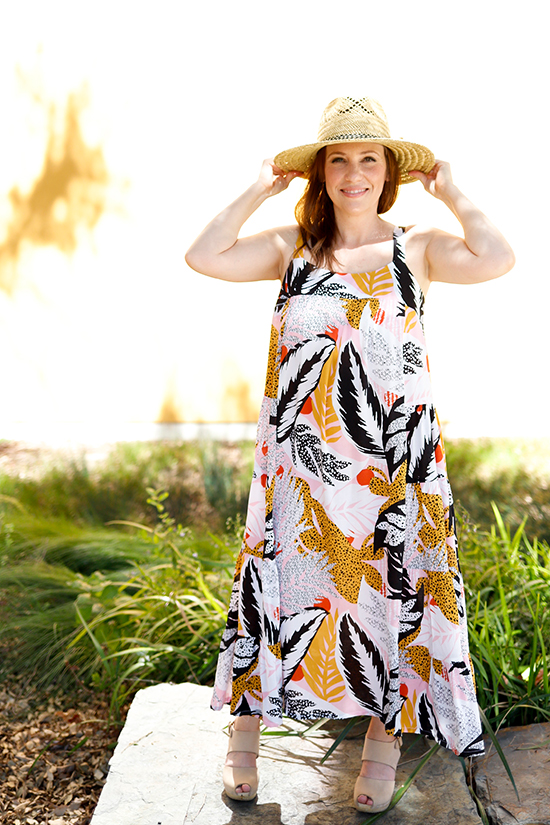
(347, 120)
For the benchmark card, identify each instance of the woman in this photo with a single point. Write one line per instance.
(348, 597)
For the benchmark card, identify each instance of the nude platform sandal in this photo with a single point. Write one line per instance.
(248, 742)
(379, 790)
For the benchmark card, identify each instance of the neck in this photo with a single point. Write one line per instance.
(354, 231)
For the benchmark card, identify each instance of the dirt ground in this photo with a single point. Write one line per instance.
(54, 754)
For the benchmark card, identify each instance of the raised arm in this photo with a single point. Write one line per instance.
(220, 253)
(481, 255)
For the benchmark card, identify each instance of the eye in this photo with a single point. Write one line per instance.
(370, 158)
(337, 160)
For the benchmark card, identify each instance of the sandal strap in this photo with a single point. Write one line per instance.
(245, 741)
(385, 753)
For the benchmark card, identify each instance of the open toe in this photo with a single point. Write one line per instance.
(379, 791)
(241, 783)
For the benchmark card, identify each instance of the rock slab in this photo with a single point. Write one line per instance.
(527, 751)
(166, 770)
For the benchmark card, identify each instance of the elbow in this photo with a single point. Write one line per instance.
(510, 260)
(505, 262)
(193, 260)
(497, 265)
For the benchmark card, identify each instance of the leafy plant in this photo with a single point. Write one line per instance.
(508, 593)
(157, 619)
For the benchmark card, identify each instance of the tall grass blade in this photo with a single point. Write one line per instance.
(498, 749)
(341, 736)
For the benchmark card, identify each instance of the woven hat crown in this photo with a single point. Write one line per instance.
(350, 119)
(346, 118)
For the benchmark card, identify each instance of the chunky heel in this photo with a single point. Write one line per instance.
(244, 741)
(379, 790)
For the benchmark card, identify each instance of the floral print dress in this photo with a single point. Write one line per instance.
(348, 597)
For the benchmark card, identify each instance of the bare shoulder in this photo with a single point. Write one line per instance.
(285, 238)
(417, 238)
(420, 235)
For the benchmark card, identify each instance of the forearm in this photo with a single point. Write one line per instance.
(222, 232)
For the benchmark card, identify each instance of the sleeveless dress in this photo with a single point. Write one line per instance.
(348, 598)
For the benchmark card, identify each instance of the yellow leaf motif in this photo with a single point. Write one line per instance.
(322, 405)
(319, 664)
(408, 714)
(410, 320)
(375, 284)
(272, 380)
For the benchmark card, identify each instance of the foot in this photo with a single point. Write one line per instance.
(376, 770)
(240, 759)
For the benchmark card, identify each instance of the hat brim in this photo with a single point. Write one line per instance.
(410, 156)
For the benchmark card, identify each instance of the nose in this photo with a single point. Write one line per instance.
(353, 171)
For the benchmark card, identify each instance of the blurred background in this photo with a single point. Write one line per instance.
(127, 126)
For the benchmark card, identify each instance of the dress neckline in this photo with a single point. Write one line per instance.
(397, 233)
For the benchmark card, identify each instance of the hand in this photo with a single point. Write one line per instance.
(436, 182)
(275, 180)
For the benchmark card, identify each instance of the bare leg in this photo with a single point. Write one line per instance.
(375, 770)
(236, 759)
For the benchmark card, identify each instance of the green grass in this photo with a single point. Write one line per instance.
(507, 580)
(207, 483)
(515, 474)
(156, 615)
(116, 606)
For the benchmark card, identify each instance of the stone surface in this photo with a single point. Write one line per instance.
(527, 750)
(166, 770)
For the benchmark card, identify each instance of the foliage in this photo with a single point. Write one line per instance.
(513, 474)
(143, 600)
(507, 580)
(207, 483)
(152, 621)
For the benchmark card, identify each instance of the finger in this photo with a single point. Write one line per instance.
(418, 175)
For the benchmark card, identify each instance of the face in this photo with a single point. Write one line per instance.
(355, 174)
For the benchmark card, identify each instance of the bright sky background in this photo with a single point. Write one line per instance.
(186, 99)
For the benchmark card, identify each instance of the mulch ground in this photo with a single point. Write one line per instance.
(54, 754)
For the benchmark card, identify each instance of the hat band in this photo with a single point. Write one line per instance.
(353, 136)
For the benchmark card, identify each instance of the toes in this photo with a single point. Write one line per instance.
(364, 800)
(243, 789)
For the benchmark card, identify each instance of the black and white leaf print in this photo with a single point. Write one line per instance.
(412, 358)
(307, 448)
(359, 410)
(462, 667)
(412, 608)
(389, 536)
(251, 607)
(362, 666)
(396, 435)
(407, 286)
(298, 376)
(297, 633)
(422, 466)
(475, 748)
(428, 723)
(271, 631)
(306, 278)
(245, 654)
(298, 707)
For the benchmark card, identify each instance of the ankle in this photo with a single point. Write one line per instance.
(246, 723)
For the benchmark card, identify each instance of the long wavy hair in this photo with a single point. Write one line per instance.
(315, 213)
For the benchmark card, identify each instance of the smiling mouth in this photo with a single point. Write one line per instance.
(354, 192)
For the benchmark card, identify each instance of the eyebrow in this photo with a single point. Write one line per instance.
(365, 152)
